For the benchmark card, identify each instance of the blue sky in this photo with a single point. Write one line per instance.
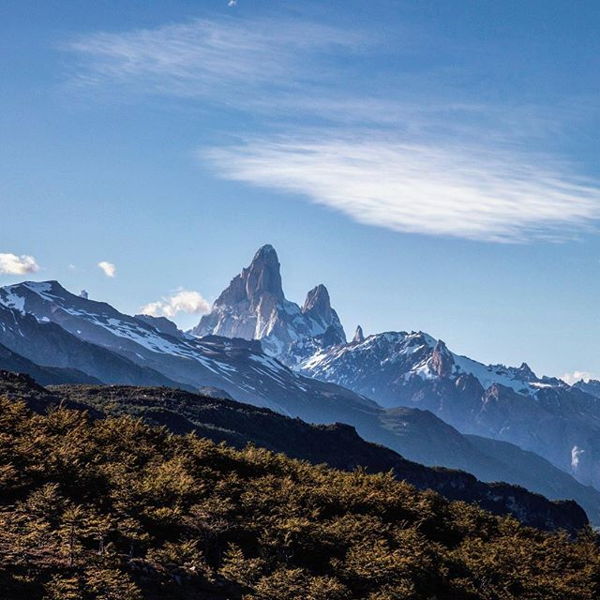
(434, 163)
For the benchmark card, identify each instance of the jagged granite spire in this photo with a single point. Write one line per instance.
(254, 306)
(317, 304)
(261, 277)
(359, 336)
(317, 299)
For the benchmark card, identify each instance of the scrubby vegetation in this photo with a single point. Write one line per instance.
(115, 509)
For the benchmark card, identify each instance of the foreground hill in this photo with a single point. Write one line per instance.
(336, 445)
(111, 508)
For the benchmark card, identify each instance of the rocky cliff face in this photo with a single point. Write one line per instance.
(254, 307)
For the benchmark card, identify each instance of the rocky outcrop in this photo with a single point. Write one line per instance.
(441, 361)
(359, 336)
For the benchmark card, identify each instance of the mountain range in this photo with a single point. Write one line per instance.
(413, 369)
(403, 390)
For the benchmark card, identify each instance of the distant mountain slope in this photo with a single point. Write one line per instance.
(250, 376)
(543, 415)
(47, 344)
(48, 325)
(591, 386)
(11, 361)
(336, 445)
(237, 366)
(536, 473)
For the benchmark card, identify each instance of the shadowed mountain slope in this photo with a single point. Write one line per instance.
(336, 445)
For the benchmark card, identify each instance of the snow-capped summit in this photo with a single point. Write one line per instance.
(254, 307)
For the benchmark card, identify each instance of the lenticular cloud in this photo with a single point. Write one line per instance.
(459, 191)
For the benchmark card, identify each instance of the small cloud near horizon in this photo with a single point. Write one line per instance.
(12, 264)
(109, 269)
(576, 376)
(183, 301)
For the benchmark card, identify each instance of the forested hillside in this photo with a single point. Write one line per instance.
(337, 445)
(115, 509)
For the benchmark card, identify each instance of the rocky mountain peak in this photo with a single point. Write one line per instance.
(525, 372)
(263, 276)
(317, 301)
(359, 336)
(253, 306)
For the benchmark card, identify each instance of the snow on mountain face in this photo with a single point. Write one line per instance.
(311, 338)
(543, 415)
(395, 369)
(96, 322)
(239, 367)
(254, 307)
(415, 354)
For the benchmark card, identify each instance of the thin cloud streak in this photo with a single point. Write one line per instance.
(417, 161)
(205, 58)
(458, 191)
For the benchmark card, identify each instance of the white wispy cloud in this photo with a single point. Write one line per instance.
(204, 57)
(451, 190)
(186, 301)
(109, 269)
(12, 264)
(576, 376)
(393, 148)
